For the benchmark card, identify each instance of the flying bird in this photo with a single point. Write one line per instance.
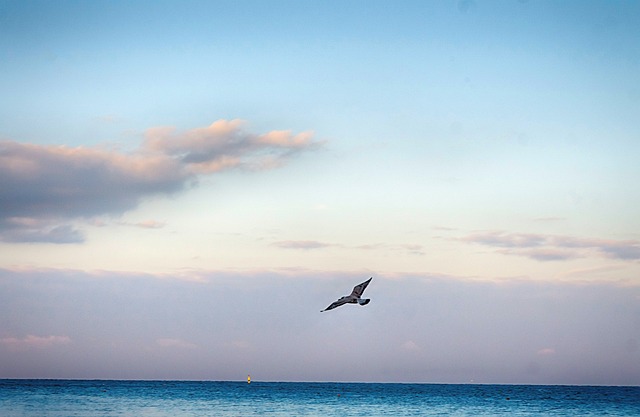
(353, 298)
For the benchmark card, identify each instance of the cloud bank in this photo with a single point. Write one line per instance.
(417, 328)
(543, 247)
(44, 187)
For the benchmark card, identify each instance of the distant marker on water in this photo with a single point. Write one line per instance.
(248, 379)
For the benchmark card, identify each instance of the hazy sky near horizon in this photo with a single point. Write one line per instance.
(185, 185)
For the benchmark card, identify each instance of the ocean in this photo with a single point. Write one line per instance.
(67, 398)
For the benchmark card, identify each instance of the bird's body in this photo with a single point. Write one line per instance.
(353, 298)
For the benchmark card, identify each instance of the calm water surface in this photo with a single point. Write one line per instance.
(66, 398)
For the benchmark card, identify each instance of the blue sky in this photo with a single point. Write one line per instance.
(474, 156)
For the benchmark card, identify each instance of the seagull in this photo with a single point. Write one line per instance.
(353, 298)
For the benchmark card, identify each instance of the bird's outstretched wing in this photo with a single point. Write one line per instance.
(359, 289)
(335, 304)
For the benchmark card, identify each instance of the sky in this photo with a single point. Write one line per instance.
(184, 185)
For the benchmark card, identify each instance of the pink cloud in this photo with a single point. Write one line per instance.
(225, 145)
(51, 185)
(150, 224)
(546, 352)
(32, 341)
(285, 139)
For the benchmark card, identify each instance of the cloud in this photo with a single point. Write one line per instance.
(145, 224)
(45, 187)
(543, 254)
(410, 346)
(46, 181)
(224, 145)
(626, 249)
(507, 240)
(32, 341)
(27, 229)
(175, 343)
(556, 247)
(422, 328)
(593, 271)
(301, 244)
(407, 248)
(150, 224)
(413, 249)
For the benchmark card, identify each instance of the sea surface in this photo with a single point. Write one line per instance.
(66, 398)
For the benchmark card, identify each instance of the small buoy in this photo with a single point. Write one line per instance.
(248, 379)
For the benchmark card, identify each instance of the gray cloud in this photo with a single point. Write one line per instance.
(629, 250)
(48, 186)
(507, 240)
(58, 181)
(555, 247)
(25, 230)
(407, 248)
(301, 244)
(543, 254)
(212, 325)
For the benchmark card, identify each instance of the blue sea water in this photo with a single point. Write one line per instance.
(67, 398)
